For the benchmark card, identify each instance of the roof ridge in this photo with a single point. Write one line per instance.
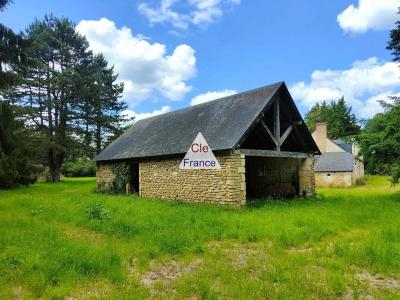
(279, 83)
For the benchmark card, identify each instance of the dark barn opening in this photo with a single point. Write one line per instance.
(134, 178)
(272, 177)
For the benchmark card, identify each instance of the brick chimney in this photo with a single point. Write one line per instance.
(321, 136)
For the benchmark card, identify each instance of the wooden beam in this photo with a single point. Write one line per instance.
(277, 123)
(251, 128)
(269, 132)
(271, 153)
(285, 135)
(276, 137)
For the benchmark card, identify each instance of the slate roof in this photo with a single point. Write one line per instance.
(334, 162)
(345, 146)
(223, 123)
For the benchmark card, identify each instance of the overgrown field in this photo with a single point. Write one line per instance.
(66, 241)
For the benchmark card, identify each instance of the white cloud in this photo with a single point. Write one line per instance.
(372, 105)
(140, 116)
(370, 14)
(361, 85)
(143, 66)
(209, 96)
(182, 14)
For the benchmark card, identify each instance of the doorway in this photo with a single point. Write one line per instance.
(270, 177)
(134, 177)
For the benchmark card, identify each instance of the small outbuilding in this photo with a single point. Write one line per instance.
(258, 137)
(339, 164)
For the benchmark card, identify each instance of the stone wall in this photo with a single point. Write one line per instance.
(340, 179)
(162, 179)
(104, 175)
(333, 179)
(358, 171)
(307, 177)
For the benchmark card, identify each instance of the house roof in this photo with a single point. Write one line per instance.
(222, 122)
(334, 162)
(348, 147)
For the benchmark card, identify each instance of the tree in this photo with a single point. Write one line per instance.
(341, 122)
(101, 108)
(380, 140)
(317, 113)
(11, 51)
(70, 96)
(54, 53)
(394, 43)
(15, 150)
(390, 135)
(4, 3)
(395, 175)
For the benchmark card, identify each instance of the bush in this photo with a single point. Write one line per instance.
(395, 175)
(359, 182)
(80, 168)
(97, 212)
(118, 184)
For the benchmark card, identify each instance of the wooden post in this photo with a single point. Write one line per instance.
(277, 125)
(269, 132)
(128, 187)
(276, 137)
(285, 135)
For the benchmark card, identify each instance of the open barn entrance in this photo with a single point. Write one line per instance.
(272, 177)
(275, 150)
(133, 178)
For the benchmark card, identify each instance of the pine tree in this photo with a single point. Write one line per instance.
(15, 150)
(70, 95)
(11, 52)
(101, 112)
(341, 122)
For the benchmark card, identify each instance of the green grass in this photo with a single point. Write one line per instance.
(64, 240)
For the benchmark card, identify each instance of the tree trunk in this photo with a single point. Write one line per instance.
(56, 158)
(98, 139)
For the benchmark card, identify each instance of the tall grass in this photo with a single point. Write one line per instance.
(62, 239)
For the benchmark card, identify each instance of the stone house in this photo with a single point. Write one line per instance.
(339, 164)
(258, 137)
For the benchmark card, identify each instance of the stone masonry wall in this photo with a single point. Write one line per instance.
(333, 179)
(358, 171)
(307, 176)
(162, 179)
(104, 175)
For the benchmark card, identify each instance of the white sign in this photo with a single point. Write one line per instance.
(199, 156)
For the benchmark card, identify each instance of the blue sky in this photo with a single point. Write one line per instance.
(172, 54)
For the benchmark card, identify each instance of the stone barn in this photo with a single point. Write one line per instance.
(258, 137)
